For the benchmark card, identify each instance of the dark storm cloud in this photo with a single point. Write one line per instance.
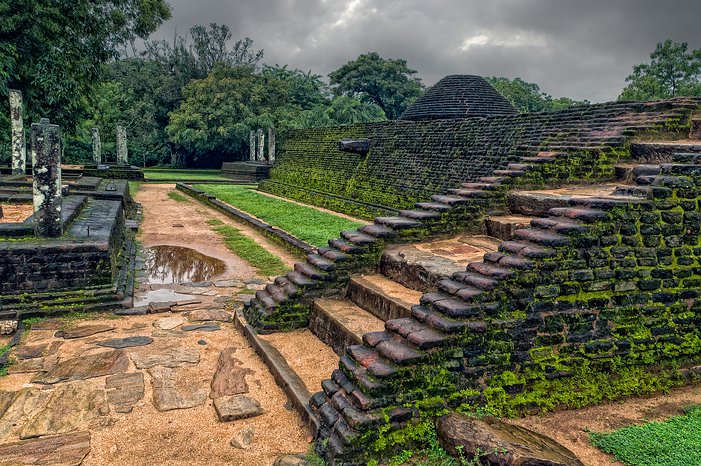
(577, 48)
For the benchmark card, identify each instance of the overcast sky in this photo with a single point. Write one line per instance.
(582, 49)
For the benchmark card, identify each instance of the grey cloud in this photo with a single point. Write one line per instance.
(575, 48)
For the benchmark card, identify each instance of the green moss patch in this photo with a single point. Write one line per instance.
(306, 223)
(267, 263)
(675, 442)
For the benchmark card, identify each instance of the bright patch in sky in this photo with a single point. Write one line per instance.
(514, 40)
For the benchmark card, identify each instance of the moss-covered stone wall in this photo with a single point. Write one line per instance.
(410, 161)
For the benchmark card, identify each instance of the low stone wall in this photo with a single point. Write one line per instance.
(410, 161)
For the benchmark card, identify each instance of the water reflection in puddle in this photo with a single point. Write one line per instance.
(176, 264)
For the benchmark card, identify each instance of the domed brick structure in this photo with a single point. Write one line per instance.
(459, 96)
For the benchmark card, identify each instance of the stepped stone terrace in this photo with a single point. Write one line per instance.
(519, 263)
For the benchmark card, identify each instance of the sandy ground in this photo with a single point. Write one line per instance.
(173, 223)
(308, 356)
(15, 212)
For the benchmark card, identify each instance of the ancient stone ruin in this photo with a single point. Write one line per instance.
(257, 167)
(96, 146)
(122, 151)
(515, 263)
(19, 147)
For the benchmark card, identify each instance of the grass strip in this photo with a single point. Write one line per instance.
(306, 223)
(267, 263)
(134, 187)
(676, 442)
(177, 197)
(155, 174)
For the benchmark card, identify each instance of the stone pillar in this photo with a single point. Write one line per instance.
(260, 156)
(271, 146)
(96, 146)
(19, 147)
(122, 154)
(252, 146)
(46, 162)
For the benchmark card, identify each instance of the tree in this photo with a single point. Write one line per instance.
(304, 89)
(214, 119)
(210, 47)
(527, 97)
(389, 84)
(52, 50)
(673, 71)
(341, 110)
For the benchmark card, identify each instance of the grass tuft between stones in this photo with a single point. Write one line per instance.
(267, 263)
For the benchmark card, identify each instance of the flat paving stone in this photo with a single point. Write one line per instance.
(231, 408)
(173, 356)
(205, 315)
(204, 327)
(37, 351)
(127, 342)
(124, 390)
(134, 311)
(168, 323)
(70, 407)
(48, 324)
(230, 376)
(168, 394)
(82, 331)
(26, 366)
(66, 450)
(159, 307)
(15, 407)
(86, 367)
(244, 439)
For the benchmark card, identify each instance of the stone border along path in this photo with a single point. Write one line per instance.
(107, 389)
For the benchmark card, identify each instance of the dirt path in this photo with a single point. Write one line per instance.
(173, 223)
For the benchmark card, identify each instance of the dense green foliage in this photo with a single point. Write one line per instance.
(672, 443)
(673, 71)
(389, 84)
(527, 97)
(306, 223)
(52, 50)
(247, 249)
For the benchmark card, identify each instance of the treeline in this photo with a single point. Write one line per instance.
(192, 100)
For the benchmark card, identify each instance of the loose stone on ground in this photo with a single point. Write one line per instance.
(230, 376)
(124, 390)
(67, 450)
(173, 356)
(86, 367)
(128, 342)
(231, 408)
(204, 327)
(70, 407)
(83, 331)
(171, 393)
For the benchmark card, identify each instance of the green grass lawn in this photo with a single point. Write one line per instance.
(676, 442)
(156, 174)
(306, 223)
(266, 262)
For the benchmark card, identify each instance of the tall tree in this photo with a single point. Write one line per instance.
(673, 71)
(527, 97)
(210, 46)
(390, 84)
(52, 50)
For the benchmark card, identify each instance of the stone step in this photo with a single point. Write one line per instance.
(693, 158)
(662, 151)
(384, 298)
(420, 266)
(503, 226)
(340, 323)
(538, 203)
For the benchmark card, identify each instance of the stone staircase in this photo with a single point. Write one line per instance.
(425, 294)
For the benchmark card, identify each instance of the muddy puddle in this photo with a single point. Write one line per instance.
(175, 264)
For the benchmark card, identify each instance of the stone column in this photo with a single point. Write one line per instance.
(260, 156)
(96, 146)
(271, 146)
(19, 147)
(252, 146)
(122, 154)
(46, 162)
